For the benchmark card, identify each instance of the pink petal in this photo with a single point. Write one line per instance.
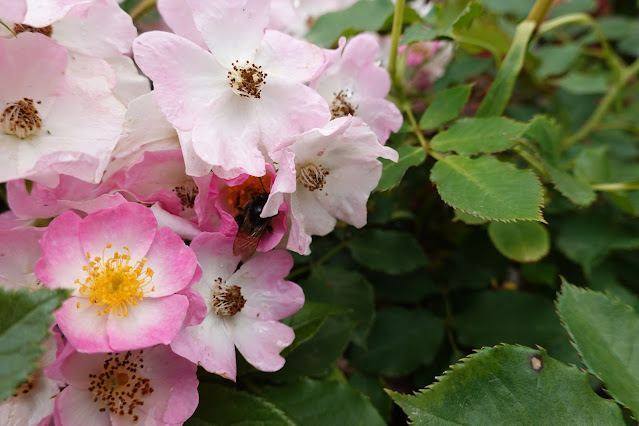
(381, 115)
(186, 78)
(288, 109)
(260, 342)
(226, 135)
(232, 29)
(83, 327)
(181, 226)
(197, 308)
(297, 61)
(13, 10)
(77, 33)
(63, 256)
(19, 251)
(209, 345)
(215, 254)
(174, 381)
(41, 13)
(151, 322)
(268, 296)
(173, 263)
(75, 407)
(179, 17)
(37, 75)
(127, 225)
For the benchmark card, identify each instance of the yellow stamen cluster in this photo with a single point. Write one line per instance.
(115, 283)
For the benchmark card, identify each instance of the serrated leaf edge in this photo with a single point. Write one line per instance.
(571, 338)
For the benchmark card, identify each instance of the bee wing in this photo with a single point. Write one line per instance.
(247, 238)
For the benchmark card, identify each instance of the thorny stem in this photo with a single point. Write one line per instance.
(398, 18)
(141, 8)
(591, 124)
(327, 256)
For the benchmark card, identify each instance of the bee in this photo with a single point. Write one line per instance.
(251, 226)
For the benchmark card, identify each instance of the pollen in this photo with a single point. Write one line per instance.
(341, 107)
(119, 386)
(313, 177)
(226, 300)
(21, 119)
(115, 283)
(246, 79)
(187, 193)
(22, 28)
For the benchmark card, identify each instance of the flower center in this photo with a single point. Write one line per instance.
(187, 193)
(341, 107)
(246, 80)
(313, 176)
(227, 300)
(21, 119)
(118, 386)
(115, 283)
(22, 28)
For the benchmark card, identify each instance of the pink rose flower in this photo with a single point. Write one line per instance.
(130, 280)
(243, 308)
(148, 387)
(327, 174)
(353, 84)
(242, 97)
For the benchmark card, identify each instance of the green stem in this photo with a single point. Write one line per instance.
(605, 104)
(141, 8)
(398, 18)
(539, 11)
(448, 321)
(613, 60)
(530, 159)
(327, 256)
(616, 186)
(413, 123)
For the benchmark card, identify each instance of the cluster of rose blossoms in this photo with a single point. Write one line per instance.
(106, 179)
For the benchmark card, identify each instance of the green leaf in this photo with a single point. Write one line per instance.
(390, 251)
(365, 15)
(312, 402)
(588, 239)
(520, 241)
(401, 339)
(500, 90)
(468, 219)
(488, 188)
(393, 172)
(470, 136)
(315, 356)
(445, 106)
(373, 388)
(25, 318)
(509, 385)
(582, 84)
(556, 59)
(417, 32)
(308, 320)
(347, 289)
(544, 134)
(224, 405)
(406, 288)
(604, 331)
(573, 6)
(504, 316)
(518, 9)
(577, 191)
